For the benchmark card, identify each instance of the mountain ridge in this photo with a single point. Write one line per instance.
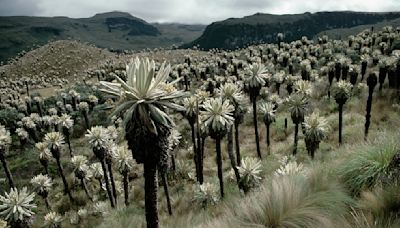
(234, 33)
(113, 30)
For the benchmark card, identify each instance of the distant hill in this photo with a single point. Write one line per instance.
(114, 30)
(60, 59)
(240, 32)
(343, 33)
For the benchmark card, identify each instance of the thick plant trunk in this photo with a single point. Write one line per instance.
(340, 122)
(64, 180)
(312, 146)
(312, 152)
(114, 190)
(368, 115)
(296, 132)
(126, 187)
(268, 139)
(200, 146)
(39, 108)
(219, 164)
(27, 88)
(165, 185)
(338, 71)
(45, 166)
(29, 107)
(371, 82)
(173, 163)
(278, 86)
(237, 145)
(285, 124)
(32, 133)
(201, 158)
(345, 71)
(256, 128)
(100, 183)
(110, 195)
(84, 186)
(186, 83)
(195, 154)
(85, 116)
(150, 187)
(363, 69)
(74, 103)
(232, 156)
(382, 77)
(7, 171)
(67, 139)
(46, 201)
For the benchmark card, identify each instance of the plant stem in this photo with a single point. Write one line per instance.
(219, 164)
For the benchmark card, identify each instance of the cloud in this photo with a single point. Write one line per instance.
(186, 11)
(18, 7)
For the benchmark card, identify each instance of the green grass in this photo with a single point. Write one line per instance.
(290, 201)
(368, 164)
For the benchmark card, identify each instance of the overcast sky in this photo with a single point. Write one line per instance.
(186, 11)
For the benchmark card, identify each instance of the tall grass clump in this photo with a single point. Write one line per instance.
(368, 165)
(379, 207)
(311, 200)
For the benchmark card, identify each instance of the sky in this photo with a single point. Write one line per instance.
(186, 11)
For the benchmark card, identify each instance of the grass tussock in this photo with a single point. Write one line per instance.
(381, 204)
(379, 207)
(311, 200)
(367, 166)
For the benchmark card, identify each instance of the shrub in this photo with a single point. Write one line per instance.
(206, 194)
(9, 118)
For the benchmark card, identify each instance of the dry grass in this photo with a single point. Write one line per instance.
(290, 201)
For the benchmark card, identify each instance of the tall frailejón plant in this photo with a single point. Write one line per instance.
(5, 141)
(233, 93)
(44, 155)
(99, 141)
(298, 106)
(316, 130)
(66, 123)
(372, 81)
(218, 118)
(191, 115)
(341, 92)
(144, 100)
(54, 141)
(124, 161)
(42, 185)
(81, 170)
(268, 111)
(255, 79)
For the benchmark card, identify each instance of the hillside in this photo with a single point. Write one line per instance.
(240, 32)
(345, 32)
(57, 63)
(115, 30)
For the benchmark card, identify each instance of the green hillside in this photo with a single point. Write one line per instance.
(241, 32)
(115, 30)
(345, 32)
